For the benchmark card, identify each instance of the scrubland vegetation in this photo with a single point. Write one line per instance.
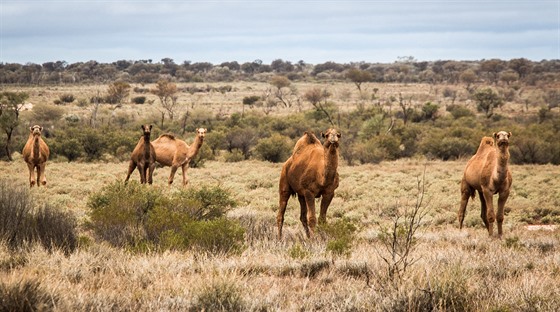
(88, 241)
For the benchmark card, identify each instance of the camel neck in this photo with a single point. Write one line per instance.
(331, 161)
(36, 145)
(147, 146)
(502, 165)
(196, 146)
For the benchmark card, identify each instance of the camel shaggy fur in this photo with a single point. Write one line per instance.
(175, 153)
(36, 153)
(144, 157)
(487, 172)
(311, 172)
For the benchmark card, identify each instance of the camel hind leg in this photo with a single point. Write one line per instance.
(150, 175)
(131, 167)
(490, 216)
(184, 168)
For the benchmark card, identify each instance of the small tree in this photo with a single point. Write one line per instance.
(358, 77)
(10, 106)
(118, 91)
(318, 98)
(487, 100)
(167, 93)
(283, 91)
(468, 77)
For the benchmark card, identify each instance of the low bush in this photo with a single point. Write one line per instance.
(139, 218)
(276, 148)
(340, 235)
(67, 98)
(139, 100)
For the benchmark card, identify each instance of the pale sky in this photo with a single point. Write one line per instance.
(372, 31)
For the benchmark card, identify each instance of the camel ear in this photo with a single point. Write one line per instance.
(40, 128)
(323, 134)
(494, 135)
(31, 129)
(339, 134)
(150, 127)
(509, 134)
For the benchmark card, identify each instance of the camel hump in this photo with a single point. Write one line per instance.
(485, 143)
(307, 139)
(167, 136)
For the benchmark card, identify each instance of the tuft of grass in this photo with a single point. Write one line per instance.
(26, 296)
(219, 296)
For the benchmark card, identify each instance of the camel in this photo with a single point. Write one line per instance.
(36, 153)
(488, 173)
(311, 172)
(175, 153)
(144, 157)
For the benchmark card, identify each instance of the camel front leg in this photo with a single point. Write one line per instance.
(503, 196)
(185, 167)
(151, 169)
(142, 172)
(303, 214)
(311, 218)
(490, 216)
(41, 174)
(32, 180)
(325, 202)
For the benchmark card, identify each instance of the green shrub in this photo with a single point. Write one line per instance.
(276, 148)
(458, 111)
(446, 148)
(133, 216)
(298, 252)
(67, 98)
(340, 234)
(250, 100)
(236, 155)
(26, 296)
(68, 147)
(139, 99)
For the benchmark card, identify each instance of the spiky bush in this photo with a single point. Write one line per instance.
(219, 296)
(21, 224)
(26, 296)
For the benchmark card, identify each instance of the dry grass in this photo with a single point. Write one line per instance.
(454, 270)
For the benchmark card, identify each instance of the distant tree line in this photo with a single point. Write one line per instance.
(404, 70)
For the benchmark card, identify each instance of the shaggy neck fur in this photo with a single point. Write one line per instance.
(146, 145)
(331, 161)
(36, 144)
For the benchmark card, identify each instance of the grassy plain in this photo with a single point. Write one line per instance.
(453, 269)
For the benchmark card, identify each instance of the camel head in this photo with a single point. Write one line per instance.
(36, 130)
(331, 136)
(200, 133)
(147, 129)
(502, 138)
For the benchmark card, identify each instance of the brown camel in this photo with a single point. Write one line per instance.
(488, 173)
(311, 172)
(175, 153)
(36, 153)
(144, 157)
